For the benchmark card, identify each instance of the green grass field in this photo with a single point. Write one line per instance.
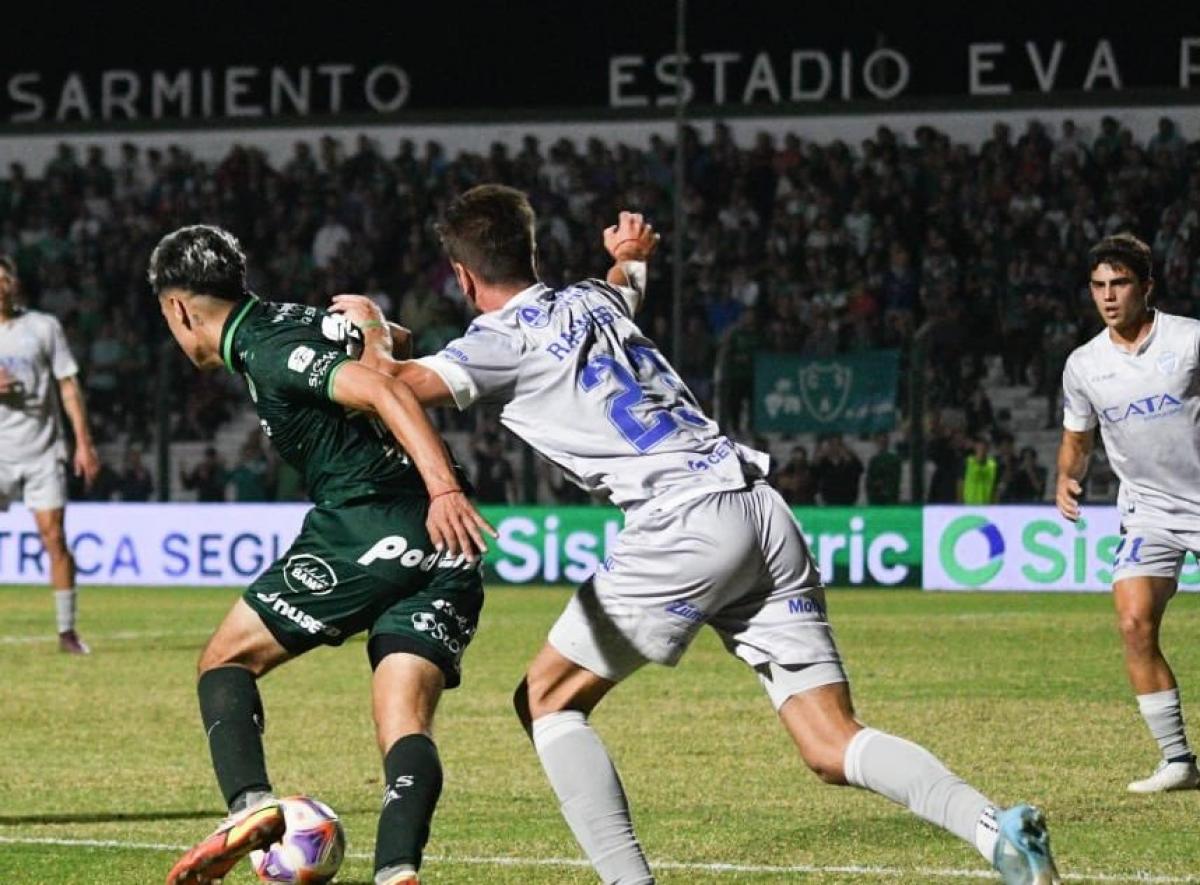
(104, 772)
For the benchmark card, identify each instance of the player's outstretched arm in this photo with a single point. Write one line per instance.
(387, 348)
(1073, 454)
(86, 461)
(630, 242)
(454, 524)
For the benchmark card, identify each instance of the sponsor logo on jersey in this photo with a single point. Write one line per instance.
(300, 358)
(454, 353)
(1158, 405)
(534, 317)
(684, 609)
(306, 573)
(301, 619)
(1167, 363)
(713, 458)
(396, 547)
(293, 311)
(320, 368)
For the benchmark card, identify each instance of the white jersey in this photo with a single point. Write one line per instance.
(584, 387)
(34, 351)
(1147, 404)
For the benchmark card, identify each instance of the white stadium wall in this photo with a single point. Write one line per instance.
(968, 127)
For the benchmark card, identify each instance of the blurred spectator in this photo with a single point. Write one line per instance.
(135, 483)
(945, 449)
(207, 478)
(736, 360)
(796, 481)
(980, 475)
(251, 478)
(838, 472)
(1060, 337)
(823, 248)
(883, 473)
(1028, 484)
(495, 482)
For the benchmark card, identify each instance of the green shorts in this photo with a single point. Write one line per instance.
(371, 566)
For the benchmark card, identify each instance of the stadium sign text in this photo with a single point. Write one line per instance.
(1025, 548)
(822, 74)
(232, 92)
(181, 544)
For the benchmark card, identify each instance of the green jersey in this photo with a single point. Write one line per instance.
(289, 355)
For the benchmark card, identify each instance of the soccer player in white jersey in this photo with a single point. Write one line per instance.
(1139, 381)
(37, 372)
(706, 540)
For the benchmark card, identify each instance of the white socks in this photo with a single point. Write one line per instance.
(591, 797)
(64, 609)
(1164, 717)
(913, 777)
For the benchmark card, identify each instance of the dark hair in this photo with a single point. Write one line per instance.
(8, 264)
(489, 230)
(1126, 250)
(202, 259)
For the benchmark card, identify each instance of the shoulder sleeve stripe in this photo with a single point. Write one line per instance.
(333, 374)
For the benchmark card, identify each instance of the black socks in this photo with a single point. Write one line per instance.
(233, 721)
(414, 783)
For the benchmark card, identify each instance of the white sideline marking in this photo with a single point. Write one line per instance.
(121, 636)
(803, 869)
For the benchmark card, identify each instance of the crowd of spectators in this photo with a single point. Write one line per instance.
(790, 246)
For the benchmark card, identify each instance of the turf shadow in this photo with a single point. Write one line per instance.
(106, 817)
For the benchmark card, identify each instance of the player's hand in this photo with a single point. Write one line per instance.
(358, 309)
(630, 239)
(1066, 496)
(87, 463)
(455, 526)
(365, 313)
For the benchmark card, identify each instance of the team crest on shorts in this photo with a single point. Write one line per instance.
(306, 573)
(1168, 362)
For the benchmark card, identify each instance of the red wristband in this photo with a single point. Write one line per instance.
(447, 492)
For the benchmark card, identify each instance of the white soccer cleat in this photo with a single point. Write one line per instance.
(1169, 776)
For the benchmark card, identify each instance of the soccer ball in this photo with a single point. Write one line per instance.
(312, 847)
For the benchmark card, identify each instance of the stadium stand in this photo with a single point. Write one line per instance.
(792, 246)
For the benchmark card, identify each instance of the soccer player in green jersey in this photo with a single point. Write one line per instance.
(391, 546)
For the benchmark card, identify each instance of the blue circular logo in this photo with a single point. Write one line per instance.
(534, 317)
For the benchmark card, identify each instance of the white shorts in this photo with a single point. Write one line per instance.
(736, 561)
(41, 483)
(1152, 552)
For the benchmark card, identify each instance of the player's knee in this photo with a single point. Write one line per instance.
(827, 763)
(54, 539)
(1137, 630)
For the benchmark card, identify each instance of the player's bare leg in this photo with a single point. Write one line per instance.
(1140, 603)
(840, 750)
(240, 651)
(62, 578)
(405, 691)
(553, 703)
